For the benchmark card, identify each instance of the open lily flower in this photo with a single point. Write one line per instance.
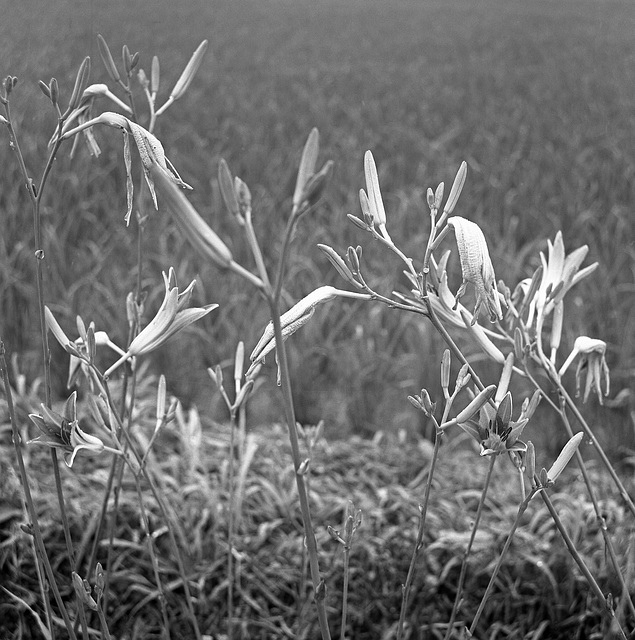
(560, 273)
(592, 354)
(495, 431)
(150, 150)
(62, 431)
(172, 316)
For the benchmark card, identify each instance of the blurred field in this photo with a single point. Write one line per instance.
(537, 97)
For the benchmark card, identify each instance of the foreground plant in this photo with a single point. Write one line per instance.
(519, 332)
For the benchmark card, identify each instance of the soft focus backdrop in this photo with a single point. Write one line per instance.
(536, 96)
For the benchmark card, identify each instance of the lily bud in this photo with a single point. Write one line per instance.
(375, 202)
(568, 451)
(307, 167)
(106, 56)
(457, 187)
(445, 370)
(481, 399)
(155, 75)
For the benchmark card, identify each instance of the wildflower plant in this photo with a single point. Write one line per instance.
(518, 329)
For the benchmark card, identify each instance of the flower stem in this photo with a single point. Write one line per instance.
(459, 588)
(499, 563)
(608, 609)
(37, 533)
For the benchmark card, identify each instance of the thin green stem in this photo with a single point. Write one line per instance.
(153, 558)
(423, 509)
(459, 587)
(608, 610)
(230, 529)
(37, 533)
(598, 514)
(164, 512)
(499, 563)
(309, 535)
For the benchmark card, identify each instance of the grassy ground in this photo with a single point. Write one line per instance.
(540, 593)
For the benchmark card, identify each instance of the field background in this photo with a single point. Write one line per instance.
(537, 97)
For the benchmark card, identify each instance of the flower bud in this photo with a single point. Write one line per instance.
(196, 230)
(338, 263)
(227, 189)
(155, 75)
(315, 186)
(531, 461)
(307, 167)
(438, 195)
(82, 590)
(568, 451)
(80, 82)
(106, 56)
(44, 88)
(243, 195)
(55, 92)
(430, 198)
(457, 187)
(445, 369)
(481, 399)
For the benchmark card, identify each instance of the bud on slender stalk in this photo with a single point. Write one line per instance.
(196, 230)
(531, 461)
(106, 56)
(307, 166)
(457, 187)
(239, 363)
(243, 195)
(44, 88)
(375, 200)
(463, 377)
(186, 77)
(135, 60)
(338, 263)
(78, 89)
(506, 375)
(189, 72)
(155, 75)
(430, 198)
(568, 451)
(161, 396)
(82, 590)
(353, 259)
(481, 399)
(438, 195)
(126, 58)
(55, 92)
(314, 188)
(445, 370)
(227, 190)
(365, 206)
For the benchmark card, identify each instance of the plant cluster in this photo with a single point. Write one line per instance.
(518, 329)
